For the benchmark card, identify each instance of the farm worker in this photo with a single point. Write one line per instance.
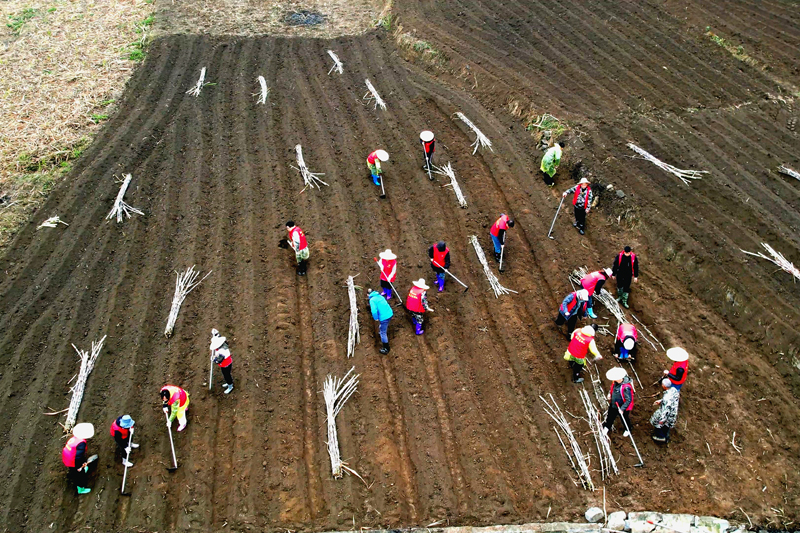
(665, 417)
(121, 431)
(625, 343)
(572, 308)
(440, 259)
(297, 240)
(498, 234)
(680, 367)
(550, 162)
(374, 164)
(417, 303)
(382, 313)
(175, 402)
(625, 270)
(221, 355)
(581, 202)
(387, 261)
(75, 457)
(581, 344)
(428, 146)
(620, 397)
(593, 282)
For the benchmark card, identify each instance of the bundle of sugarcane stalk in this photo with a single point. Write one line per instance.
(52, 222)
(263, 92)
(184, 284)
(120, 208)
(778, 259)
(337, 64)
(353, 336)
(597, 387)
(493, 281)
(336, 392)
(604, 297)
(607, 463)
(783, 169)
(580, 462)
(311, 179)
(683, 175)
(481, 141)
(87, 365)
(447, 170)
(373, 96)
(195, 91)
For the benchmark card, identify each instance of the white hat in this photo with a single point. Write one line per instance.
(217, 341)
(583, 294)
(388, 255)
(420, 283)
(678, 354)
(583, 180)
(628, 344)
(383, 155)
(616, 373)
(83, 431)
(588, 330)
(608, 271)
(426, 136)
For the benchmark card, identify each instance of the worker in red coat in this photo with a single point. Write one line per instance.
(221, 355)
(428, 146)
(498, 234)
(625, 270)
(625, 342)
(417, 304)
(121, 431)
(439, 254)
(572, 308)
(387, 262)
(298, 243)
(620, 399)
(175, 403)
(76, 458)
(374, 165)
(581, 202)
(680, 367)
(580, 345)
(593, 282)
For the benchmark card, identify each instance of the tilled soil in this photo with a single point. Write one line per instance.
(449, 425)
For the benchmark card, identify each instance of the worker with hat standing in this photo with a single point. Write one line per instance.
(580, 345)
(439, 254)
(297, 241)
(175, 403)
(121, 431)
(625, 270)
(620, 399)
(680, 367)
(76, 458)
(572, 308)
(417, 304)
(428, 146)
(581, 202)
(374, 165)
(498, 234)
(550, 162)
(665, 417)
(387, 262)
(382, 313)
(593, 282)
(221, 355)
(625, 342)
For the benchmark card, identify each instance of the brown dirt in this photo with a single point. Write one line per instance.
(449, 425)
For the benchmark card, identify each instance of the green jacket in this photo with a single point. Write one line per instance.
(551, 160)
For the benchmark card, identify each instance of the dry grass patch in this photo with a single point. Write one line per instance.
(63, 64)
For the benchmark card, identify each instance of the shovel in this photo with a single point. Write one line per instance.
(127, 460)
(502, 252)
(390, 284)
(451, 275)
(172, 447)
(550, 233)
(89, 461)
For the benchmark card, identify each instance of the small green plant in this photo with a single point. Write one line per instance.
(107, 102)
(143, 25)
(137, 54)
(546, 122)
(386, 22)
(421, 46)
(736, 51)
(52, 10)
(99, 118)
(18, 20)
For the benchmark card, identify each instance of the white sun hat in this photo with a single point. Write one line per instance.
(583, 294)
(387, 255)
(83, 431)
(588, 330)
(383, 155)
(678, 354)
(616, 373)
(217, 341)
(426, 136)
(421, 284)
(583, 180)
(628, 344)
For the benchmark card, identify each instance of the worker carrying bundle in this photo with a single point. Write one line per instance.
(580, 345)
(439, 254)
(417, 304)
(374, 165)
(428, 147)
(175, 403)
(121, 431)
(625, 343)
(75, 456)
(593, 282)
(387, 262)
(221, 355)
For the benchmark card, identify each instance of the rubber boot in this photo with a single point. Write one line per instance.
(84, 490)
(590, 312)
(440, 281)
(376, 180)
(418, 328)
(385, 348)
(497, 256)
(625, 300)
(301, 267)
(229, 388)
(127, 463)
(620, 294)
(387, 293)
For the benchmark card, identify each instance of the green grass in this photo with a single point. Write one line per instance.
(137, 50)
(18, 20)
(386, 22)
(97, 118)
(46, 162)
(547, 122)
(736, 51)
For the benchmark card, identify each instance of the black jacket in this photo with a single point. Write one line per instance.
(622, 269)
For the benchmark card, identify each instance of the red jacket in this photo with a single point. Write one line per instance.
(388, 269)
(429, 146)
(578, 192)
(227, 359)
(627, 330)
(414, 300)
(116, 428)
(579, 345)
(69, 454)
(176, 394)
(500, 224)
(624, 386)
(301, 236)
(589, 281)
(372, 157)
(439, 257)
(673, 372)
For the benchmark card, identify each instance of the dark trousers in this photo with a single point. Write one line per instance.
(577, 369)
(580, 217)
(623, 285)
(571, 322)
(612, 415)
(79, 477)
(661, 434)
(547, 179)
(386, 285)
(226, 373)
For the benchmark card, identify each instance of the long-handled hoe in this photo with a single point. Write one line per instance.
(127, 462)
(390, 283)
(550, 233)
(451, 275)
(641, 462)
(172, 447)
(502, 252)
(427, 163)
(211, 372)
(383, 192)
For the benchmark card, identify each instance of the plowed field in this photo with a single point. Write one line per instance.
(449, 425)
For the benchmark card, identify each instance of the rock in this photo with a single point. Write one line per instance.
(616, 520)
(641, 526)
(620, 194)
(712, 524)
(594, 515)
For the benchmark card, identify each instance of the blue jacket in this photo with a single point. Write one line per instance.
(381, 310)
